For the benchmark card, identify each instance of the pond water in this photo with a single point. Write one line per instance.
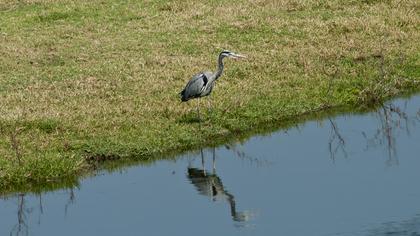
(355, 174)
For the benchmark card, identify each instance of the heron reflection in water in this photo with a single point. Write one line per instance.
(209, 184)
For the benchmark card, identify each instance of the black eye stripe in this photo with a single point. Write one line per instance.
(226, 52)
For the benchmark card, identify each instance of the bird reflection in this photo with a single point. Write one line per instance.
(209, 184)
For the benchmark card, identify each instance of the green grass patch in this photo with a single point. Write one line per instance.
(86, 81)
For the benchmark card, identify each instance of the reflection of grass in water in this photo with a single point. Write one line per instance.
(36, 189)
(101, 78)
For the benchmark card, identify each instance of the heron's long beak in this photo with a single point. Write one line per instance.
(238, 56)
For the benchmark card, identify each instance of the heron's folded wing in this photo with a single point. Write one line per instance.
(195, 86)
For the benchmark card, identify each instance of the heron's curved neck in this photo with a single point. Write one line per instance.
(219, 67)
(232, 204)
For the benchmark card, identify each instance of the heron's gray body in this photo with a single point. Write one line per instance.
(202, 84)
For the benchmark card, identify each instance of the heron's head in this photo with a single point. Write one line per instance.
(226, 53)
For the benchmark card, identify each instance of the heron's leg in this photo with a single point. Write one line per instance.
(209, 105)
(202, 162)
(214, 160)
(189, 163)
(198, 109)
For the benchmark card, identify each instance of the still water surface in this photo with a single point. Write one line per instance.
(344, 175)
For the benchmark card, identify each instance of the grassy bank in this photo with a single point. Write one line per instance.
(82, 81)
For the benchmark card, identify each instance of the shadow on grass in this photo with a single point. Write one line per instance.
(189, 118)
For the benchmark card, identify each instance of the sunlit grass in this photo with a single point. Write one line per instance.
(101, 78)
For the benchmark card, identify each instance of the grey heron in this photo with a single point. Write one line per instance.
(202, 83)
